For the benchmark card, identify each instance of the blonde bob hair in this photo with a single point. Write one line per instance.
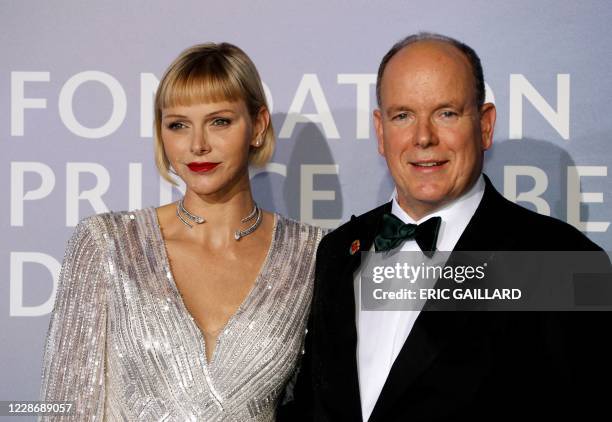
(211, 73)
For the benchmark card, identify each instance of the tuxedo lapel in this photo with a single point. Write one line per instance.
(484, 232)
(433, 330)
(362, 232)
(341, 308)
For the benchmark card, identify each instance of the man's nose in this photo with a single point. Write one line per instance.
(199, 142)
(425, 133)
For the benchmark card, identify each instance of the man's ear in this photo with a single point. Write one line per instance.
(378, 126)
(488, 114)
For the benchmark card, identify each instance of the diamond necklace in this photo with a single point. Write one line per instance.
(188, 218)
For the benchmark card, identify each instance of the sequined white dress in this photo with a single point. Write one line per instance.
(123, 346)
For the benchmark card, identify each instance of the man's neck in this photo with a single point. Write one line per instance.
(419, 211)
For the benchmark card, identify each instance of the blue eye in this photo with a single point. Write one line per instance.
(447, 114)
(176, 126)
(221, 122)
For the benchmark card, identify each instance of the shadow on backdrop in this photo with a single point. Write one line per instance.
(544, 158)
(310, 148)
(307, 146)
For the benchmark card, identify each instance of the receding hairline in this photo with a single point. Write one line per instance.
(468, 53)
(446, 48)
(445, 45)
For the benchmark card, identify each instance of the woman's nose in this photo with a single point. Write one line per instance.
(199, 143)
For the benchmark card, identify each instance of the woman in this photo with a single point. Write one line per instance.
(195, 310)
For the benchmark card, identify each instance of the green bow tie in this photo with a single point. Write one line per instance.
(394, 232)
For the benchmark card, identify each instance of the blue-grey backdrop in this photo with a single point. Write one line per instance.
(77, 81)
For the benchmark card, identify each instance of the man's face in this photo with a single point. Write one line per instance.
(429, 127)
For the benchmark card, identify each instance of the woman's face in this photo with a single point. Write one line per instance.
(208, 144)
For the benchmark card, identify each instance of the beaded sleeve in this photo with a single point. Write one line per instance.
(74, 355)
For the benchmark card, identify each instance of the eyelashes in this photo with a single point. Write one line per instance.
(216, 122)
(445, 117)
(448, 114)
(221, 121)
(176, 126)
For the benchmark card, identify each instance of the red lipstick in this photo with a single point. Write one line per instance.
(202, 167)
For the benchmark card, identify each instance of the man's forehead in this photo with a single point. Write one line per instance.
(434, 53)
(428, 68)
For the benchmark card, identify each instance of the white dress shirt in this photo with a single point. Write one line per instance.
(381, 334)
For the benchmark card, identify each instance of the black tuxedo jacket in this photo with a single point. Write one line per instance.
(456, 365)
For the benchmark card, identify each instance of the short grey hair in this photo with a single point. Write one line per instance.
(470, 54)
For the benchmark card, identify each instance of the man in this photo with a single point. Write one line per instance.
(433, 128)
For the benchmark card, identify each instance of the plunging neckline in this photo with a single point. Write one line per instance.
(239, 310)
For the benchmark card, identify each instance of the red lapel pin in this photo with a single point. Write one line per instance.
(354, 247)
